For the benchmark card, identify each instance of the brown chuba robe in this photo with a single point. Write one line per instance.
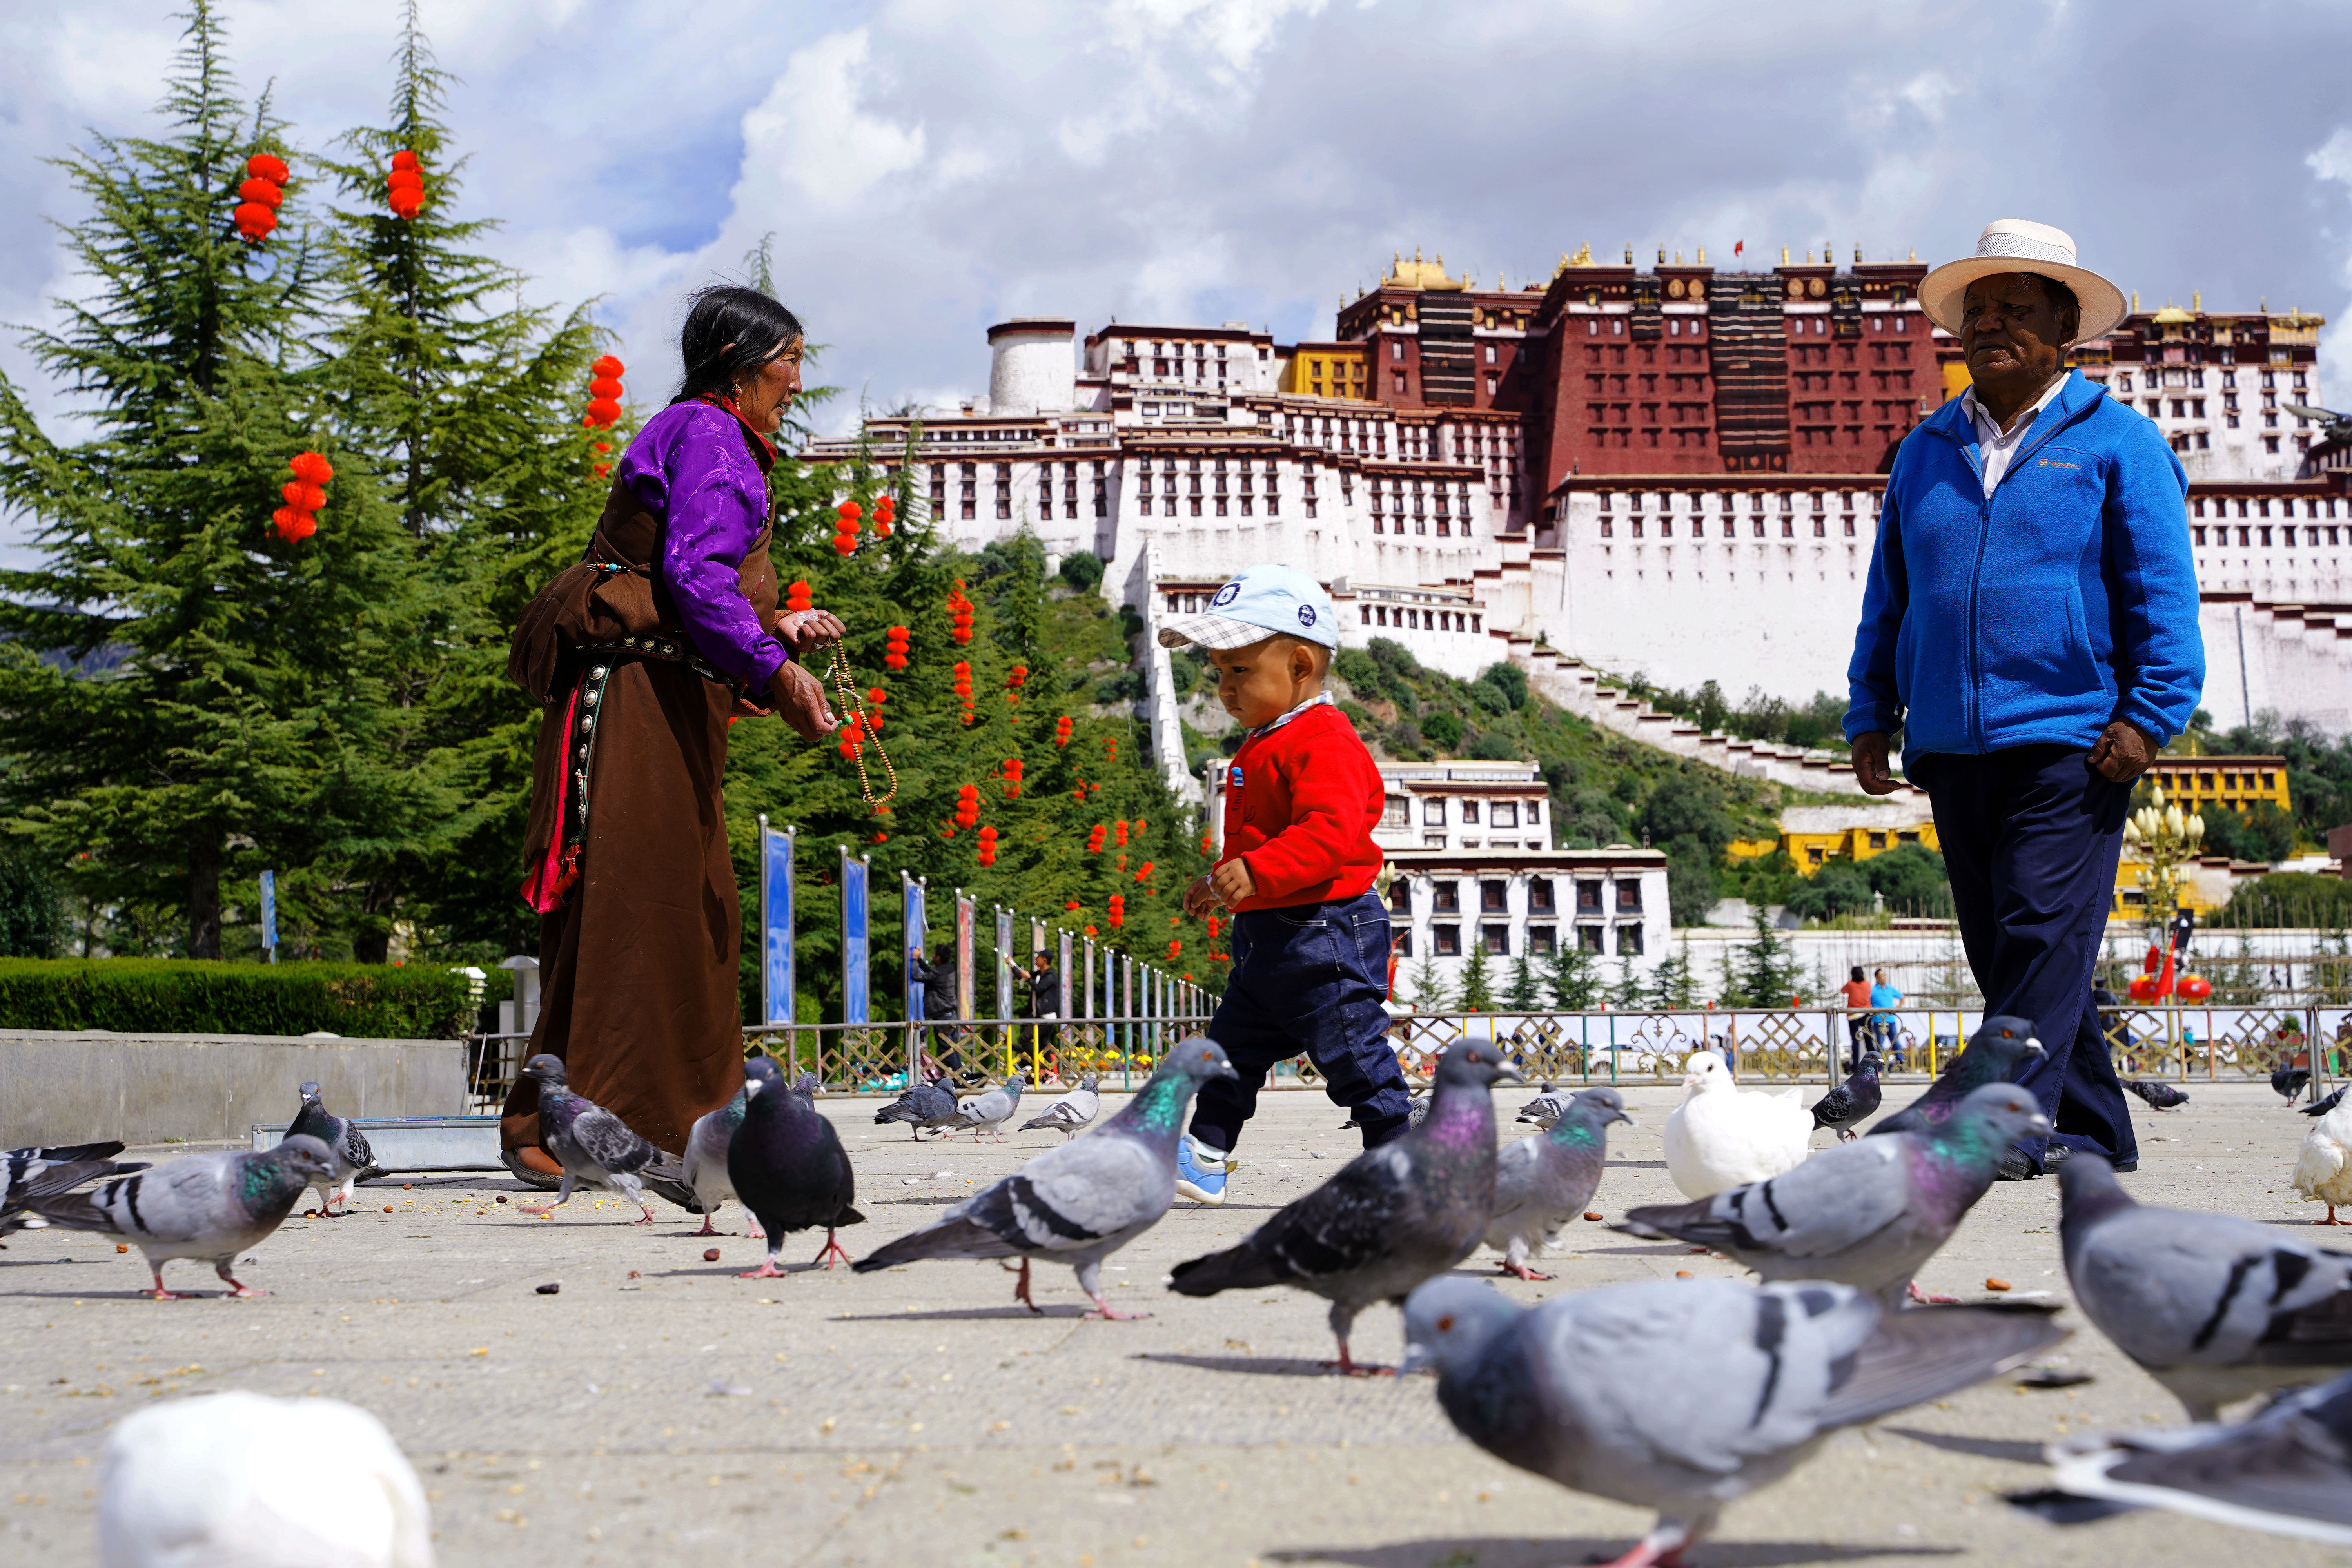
(638, 961)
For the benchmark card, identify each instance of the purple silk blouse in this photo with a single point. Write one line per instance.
(689, 467)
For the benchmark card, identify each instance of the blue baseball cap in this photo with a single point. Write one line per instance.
(1255, 606)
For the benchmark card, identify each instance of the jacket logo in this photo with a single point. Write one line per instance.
(2054, 463)
(1237, 778)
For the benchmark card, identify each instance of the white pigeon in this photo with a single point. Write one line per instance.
(232, 1479)
(1723, 1136)
(2323, 1171)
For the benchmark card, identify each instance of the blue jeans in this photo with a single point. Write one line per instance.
(2031, 837)
(1309, 978)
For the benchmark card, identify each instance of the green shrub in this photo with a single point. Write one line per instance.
(2287, 898)
(1444, 730)
(1511, 680)
(1357, 667)
(1490, 697)
(1495, 746)
(30, 912)
(1082, 569)
(181, 996)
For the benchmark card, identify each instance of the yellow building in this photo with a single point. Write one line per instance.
(1812, 836)
(1327, 370)
(2201, 784)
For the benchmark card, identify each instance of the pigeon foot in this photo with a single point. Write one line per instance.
(534, 1208)
(1107, 1313)
(1521, 1271)
(1021, 1290)
(2331, 1219)
(832, 1249)
(648, 1218)
(708, 1229)
(1348, 1366)
(767, 1270)
(1931, 1298)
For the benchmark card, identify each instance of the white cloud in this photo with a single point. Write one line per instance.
(811, 130)
(2333, 161)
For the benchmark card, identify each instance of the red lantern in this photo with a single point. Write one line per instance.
(1120, 837)
(968, 804)
(797, 597)
(987, 856)
(894, 653)
(403, 188)
(1117, 912)
(1011, 771)
(1173, 949)
(959, 610)
(1095, 840)
(886, 511)
(604, 391)
(259, 197)
(1061, 730)
(305, 494)
(1146, 871)
(1017, 676)
(1071, 904)
(266, 166)
(1090, 933)
(1214, 926)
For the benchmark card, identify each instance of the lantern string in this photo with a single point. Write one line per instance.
(853, 703)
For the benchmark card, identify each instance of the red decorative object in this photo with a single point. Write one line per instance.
(1146, 870)
(1012, 771)
(963, 685)
(987, 856)
(1216, 925)
(1173, 949)
(1110, 748)
(1095, 840)
(1090, 933)
(1119, 838)
(959, 610)
(797, 597)
(1071, 904)
(304, 496)
(604, 391)
(403, 188)
(844, 534)
(1117, 912)
(895, 654)
(876, 697)
(886, 511)
(1016, 677)
(258, 197)
(966, 811)
(1061, 730)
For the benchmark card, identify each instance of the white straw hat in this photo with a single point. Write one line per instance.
(2015, 245)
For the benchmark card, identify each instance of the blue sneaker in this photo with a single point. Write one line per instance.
(1201, 1172)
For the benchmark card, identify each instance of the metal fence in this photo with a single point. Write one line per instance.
(1768, 1045)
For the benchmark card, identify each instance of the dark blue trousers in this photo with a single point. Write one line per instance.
(2031, 837)
(1309, 978)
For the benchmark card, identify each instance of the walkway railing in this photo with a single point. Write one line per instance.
(1764, 1045)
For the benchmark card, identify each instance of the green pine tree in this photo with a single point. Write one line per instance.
(1430, 992)
(1478, 980)
(1671, 985)
(1767, 972)
(467, 403)
(186, 698)
(1574, 979)
(1526, 994)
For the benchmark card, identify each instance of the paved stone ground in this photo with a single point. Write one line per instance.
(658, 1404)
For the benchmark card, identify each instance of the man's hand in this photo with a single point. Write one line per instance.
(1232, 883)
(800, 698)
(1200, 899)
(806, 630)
(2123, 752)
(1870, 762)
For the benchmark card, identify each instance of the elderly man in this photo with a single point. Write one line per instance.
(2030, 625)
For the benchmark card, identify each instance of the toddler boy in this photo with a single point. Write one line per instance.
(1310, 938)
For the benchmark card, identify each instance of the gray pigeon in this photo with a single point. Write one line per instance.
(596, 1147)
(2215, 1307)
(787, 1164)
(1544, 1181)
(1992, 1056)
(1077, 1202)
(1683, 1394)
(1855, 1100)
(1546, 1108)
(1416, 1112)
(354, 1161)
(1072, 1111)
(2286, 1470)
(1867, 1214)
(1392, 1216)
(706, 1155)
(208, 1207)
(808, 1086)
(925, 1108)
(989, 1113)
(36, 1172)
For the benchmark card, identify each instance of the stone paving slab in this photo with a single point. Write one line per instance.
(919, 1416)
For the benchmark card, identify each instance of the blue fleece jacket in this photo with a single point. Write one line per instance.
(2042, 613)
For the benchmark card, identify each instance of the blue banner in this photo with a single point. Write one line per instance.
(915, 934)
(856, 1007)
(1065, 971)
(269, 914)
(776, 976)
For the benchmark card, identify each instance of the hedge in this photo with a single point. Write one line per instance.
(129, 995)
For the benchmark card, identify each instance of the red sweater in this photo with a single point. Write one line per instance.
(1301, 802)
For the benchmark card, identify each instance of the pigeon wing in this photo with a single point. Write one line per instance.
(1922, 1355)
(1348, 1223)
(609, 1144)
(1100, 1187)
(1835, 1200)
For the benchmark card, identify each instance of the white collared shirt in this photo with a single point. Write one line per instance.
(1270, 726)
(1995, 447)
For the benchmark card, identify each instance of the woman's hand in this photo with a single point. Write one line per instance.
(800, 698)
(806, 630)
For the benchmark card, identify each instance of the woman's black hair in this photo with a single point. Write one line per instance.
(1857, 973)
(729, 331)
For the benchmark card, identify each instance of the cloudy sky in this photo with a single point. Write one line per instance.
(929, 167)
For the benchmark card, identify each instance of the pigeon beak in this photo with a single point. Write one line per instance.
(2039, 1127)
(1417, 1358)
(2033, 1048)
(1506, 1071)
(1626, 1119)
